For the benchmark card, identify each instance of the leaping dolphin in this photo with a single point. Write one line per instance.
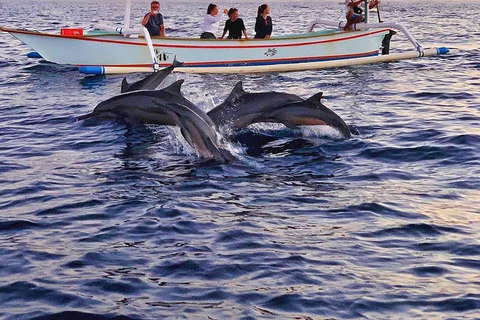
(241, 109)
(152, 81)
(166, 107)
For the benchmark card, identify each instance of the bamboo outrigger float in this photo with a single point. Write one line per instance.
(98, 51)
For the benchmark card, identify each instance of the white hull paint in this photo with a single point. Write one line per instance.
(109, 49)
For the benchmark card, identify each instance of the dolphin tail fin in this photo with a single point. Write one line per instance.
(176, 63)
(125, 86)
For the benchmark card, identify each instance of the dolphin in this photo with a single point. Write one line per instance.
(241, 109)
(152, 81)
(166, 107)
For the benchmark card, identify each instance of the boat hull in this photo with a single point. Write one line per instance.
(109, 49)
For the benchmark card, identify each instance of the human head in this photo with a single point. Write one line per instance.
(231, 12)
(262, 9)
(211, 7)
(155, 5)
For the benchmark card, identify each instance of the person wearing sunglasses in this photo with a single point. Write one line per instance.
(153, 20)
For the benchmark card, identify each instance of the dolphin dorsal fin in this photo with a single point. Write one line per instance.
(175, 87)
(125, 85)
(237, 92)
(316, 98)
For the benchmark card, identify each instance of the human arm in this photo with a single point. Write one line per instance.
(373, 3)
(213, 19)
(257, 25)
(270, 27)
(162, 30)
(146, 18)
(225, 29)
(355, 3)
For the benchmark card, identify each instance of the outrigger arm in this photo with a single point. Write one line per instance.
(126, 18)
(363, 26)
(134, 33)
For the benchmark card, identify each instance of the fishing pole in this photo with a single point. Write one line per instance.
(378, 12)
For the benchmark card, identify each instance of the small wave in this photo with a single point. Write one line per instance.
(471, 140)
(467, 263)
(382, 209)
(428, 271)
(453, 247)
(321, 132)
(27, 291)
(461, 304)
(412, 230)
(49, 67)
(442, 95)
(77, 315)
(17, 225)
(410, 154)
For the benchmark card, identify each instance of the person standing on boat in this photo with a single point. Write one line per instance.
(234, 26)
(354, 12)
(211, 22)
(153, 20)
(263, 25)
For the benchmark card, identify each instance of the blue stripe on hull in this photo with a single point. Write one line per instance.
(101, 69)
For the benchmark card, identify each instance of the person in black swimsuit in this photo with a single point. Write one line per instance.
(263, 25)
(234, 26)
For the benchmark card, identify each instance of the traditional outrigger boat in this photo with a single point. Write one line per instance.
(123, 49)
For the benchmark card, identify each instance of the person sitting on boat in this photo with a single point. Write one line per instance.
(153, 20)
(234, 26)
(211, 22)
(354, 12)
(263, 25)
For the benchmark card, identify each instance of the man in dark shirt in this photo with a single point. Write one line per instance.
(153, 20)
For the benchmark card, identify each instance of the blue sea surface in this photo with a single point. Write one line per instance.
(100, 220)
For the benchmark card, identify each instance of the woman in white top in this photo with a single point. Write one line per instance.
(211, 22)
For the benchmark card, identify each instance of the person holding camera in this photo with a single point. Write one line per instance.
(153, 20)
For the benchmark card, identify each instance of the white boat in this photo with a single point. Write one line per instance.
(121, 50)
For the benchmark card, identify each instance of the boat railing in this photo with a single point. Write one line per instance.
(364, 26)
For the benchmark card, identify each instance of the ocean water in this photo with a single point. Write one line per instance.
(99, 220)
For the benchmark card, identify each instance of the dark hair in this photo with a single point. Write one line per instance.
(210, 8)
(261, 9)
(231, 12)
(155, 2)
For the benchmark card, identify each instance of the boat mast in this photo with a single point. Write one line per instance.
(126, 19)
